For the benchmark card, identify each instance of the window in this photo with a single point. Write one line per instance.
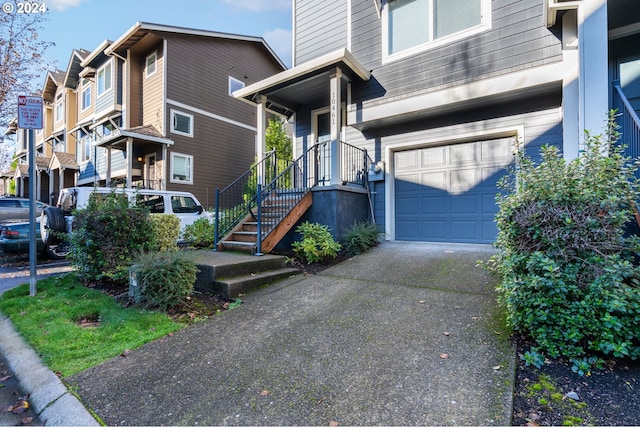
(86, 98)
(84, 146)
(153, 202)
(104, 79)
(184, 204)
(57, 113)
(416, 25)
(234, 85)
(181, 123)
(150, 64)
(181, 167)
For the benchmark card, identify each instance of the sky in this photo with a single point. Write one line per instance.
(84, 24)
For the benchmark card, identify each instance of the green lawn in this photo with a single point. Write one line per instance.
(50, 322)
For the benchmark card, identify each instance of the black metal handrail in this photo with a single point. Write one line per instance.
(236, 200)
(628, 121)
(285, 184)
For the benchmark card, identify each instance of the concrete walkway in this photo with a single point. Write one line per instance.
(406, 334)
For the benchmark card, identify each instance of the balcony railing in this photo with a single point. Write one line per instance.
(628, 121)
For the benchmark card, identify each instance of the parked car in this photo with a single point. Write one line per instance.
(14, 238)
(59, 219)
(18, 208)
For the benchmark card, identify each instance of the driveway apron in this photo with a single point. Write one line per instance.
(405, 334)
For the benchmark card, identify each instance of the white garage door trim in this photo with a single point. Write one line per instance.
(390, 150)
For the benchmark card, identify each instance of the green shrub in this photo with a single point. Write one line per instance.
(316, 244)
(164, 278)
(166, 231)
(106, 236)
(201, 233)
(568, 280)
(360, 237)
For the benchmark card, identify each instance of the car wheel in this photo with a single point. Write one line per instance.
(58, 251)
(52, 222)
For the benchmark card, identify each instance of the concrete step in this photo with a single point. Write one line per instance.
(233, 286)
(234, 245)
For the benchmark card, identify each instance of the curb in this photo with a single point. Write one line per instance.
(50, 399)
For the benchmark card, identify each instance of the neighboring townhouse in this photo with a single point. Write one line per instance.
(437, 92)
(155, 109)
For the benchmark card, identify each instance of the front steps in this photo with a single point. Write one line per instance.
(231, 274)
(280, 212)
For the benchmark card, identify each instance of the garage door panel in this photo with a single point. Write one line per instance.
(436, 204)
(464, 204)
(464, 231)
(408, 206)
(455, 198)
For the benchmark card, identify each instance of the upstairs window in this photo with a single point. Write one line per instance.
(151, 64)
(104, 79)
(58, 110)
(181, 123)
(416, 25)
(86, 97)
(234, 85)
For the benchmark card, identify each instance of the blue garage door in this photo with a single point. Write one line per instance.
(447, 193)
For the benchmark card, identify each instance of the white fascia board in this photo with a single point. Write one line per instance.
(519, 80)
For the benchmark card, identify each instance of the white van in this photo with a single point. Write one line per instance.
(59, 219)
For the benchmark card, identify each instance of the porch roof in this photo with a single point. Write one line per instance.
(288, 90)
(61, 160)
(141, 133)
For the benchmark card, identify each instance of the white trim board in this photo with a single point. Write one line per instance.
(211, 115)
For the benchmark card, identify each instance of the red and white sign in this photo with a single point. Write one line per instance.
(30, 112)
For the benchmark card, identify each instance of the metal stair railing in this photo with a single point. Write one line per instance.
(236, 200)
(285, 185)
(628, 121)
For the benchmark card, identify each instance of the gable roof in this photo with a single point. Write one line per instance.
(141, 29)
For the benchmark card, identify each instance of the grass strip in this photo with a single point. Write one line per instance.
(73, 327)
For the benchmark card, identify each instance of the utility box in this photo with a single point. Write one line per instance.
(376, 172)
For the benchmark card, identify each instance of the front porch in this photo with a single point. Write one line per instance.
(327, 183)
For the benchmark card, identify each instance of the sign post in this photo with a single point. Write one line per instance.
(30, 118)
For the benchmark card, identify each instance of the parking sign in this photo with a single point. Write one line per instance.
(30, 112)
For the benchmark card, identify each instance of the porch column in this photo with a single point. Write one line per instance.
(165, 165)
(108, 159)
(335, 105)
(38, 194)
(60, 180)
(261, 141)
(129, 156)
(594, 73)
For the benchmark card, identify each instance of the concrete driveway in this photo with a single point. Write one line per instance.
(405, 334)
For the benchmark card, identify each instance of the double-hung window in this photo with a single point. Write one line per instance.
(86, 94)
(181, 168)
(104, 77)
(58, 110)
(151, 64)
(181, 123)
(412, 26)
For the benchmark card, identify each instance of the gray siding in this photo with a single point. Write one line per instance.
(321, 27)
(518, 40)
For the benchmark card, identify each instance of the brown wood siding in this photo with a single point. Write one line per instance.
(518, 40)
(198, 70)
(221, 153)
(134, 91)
(152, 90)
(71, 120)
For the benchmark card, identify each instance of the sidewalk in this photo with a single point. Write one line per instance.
(406, 334)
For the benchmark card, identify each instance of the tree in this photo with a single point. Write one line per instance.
(276, 138)
(21, 58)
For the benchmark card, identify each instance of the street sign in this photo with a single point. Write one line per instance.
(30, 112)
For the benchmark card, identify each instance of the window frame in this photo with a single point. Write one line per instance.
(190, 171)
(58, 109)
(154, 54)
(485, 24)
(86, 88)
(233, 80)
(101, 91)
(178, 131)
